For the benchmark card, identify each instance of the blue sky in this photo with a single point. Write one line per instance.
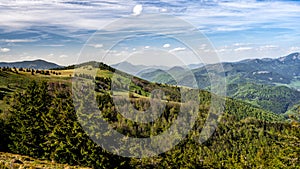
(57, 30)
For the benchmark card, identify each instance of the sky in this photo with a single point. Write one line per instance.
(154, 32)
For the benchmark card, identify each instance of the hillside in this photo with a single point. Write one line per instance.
(277, 99)
(35, 64)
(246, 136)
(294, 112)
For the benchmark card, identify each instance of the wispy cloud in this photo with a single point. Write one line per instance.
(267, 47)
(18, 40)
(52, 45)
(4, 50)
(243, 49)
(178, 49)
(96, 45)
(63, 56)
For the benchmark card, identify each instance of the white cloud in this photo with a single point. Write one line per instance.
(4, 50)
(18, 40)
(147, 47)
(63, 56)
(241, 44)
(178, 49)
(163, 10)
(137, 10)
(166, 45)
(96, 45)
(52, 45)
(242, 49)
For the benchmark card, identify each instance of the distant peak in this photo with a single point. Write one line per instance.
(176, 68)
(292, 56)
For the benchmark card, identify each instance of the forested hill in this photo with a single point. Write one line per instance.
(42, 123)
(277, 99)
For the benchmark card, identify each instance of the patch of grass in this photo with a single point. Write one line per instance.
(294, 84)
(8, 160)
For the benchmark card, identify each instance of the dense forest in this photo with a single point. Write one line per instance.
(43, 122)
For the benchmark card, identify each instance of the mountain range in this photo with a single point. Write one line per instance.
(283, 70)
(272, 84)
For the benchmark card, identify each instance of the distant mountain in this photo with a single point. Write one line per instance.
(137, 69)
(283, 70)
(35, 64)
(145, 71)
(165, 76)
(195, 66)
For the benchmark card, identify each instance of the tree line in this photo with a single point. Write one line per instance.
(29, 70)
